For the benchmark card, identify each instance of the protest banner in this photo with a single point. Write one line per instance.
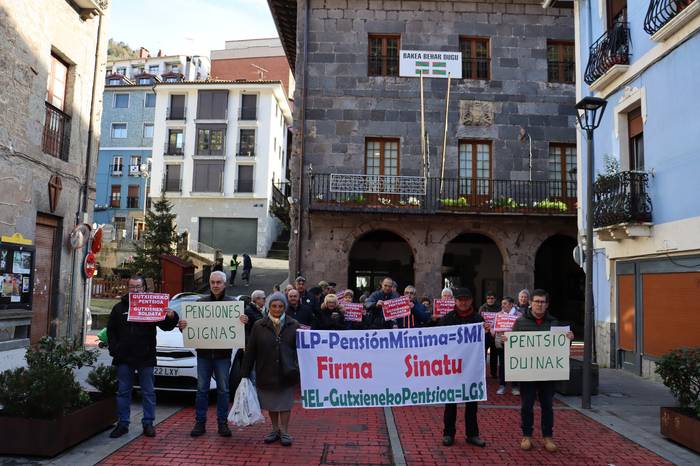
(353, 311)
(504, 323)
(443, 306)
(213, 324)
(396, 308)
(490, 317)
(147, 307)
(399, 367)
(532, 356)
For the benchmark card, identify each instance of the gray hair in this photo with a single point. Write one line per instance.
(292, 291)
(276, 296)
(218, 272)
(447, 290)
(257, 294)
(524, 291)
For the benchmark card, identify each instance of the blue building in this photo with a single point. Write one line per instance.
(642, 58)
(123, 168)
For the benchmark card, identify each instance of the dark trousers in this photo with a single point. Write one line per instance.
(493, 358)
(233, 276)
(470, 421)
(544, 390)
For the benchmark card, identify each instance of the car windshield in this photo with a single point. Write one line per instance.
(176, 304)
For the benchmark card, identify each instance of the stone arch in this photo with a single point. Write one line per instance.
(376, 254)
(453, 233)
(368, 227)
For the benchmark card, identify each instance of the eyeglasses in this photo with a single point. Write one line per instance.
(539, 301)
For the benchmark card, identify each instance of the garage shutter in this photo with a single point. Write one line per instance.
(230, 235)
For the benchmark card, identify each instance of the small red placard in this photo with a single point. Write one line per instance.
(147, 307)
(396, 308)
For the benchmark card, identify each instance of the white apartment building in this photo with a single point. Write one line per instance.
(217, 148)
(168, 68)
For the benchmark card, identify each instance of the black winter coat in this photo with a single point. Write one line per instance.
(303, 313)
(254, 314)
(527, 323)
(329, 320)
(263, 352)
(452, 318)
(214, 353)
(133, 343)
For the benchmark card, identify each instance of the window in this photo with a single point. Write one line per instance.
(121, 70)
(116, 198)
(56, 88)
(145, 81)
(248, 106)
(635, 127)
(245, 179)
(177, 107)
(560, 62)
(172, 178)
(114, 82)
(212, 105)
(148, 130)
(175, 144)
(562, 170)
(383, 55)
(132, 197)
(120, 224)
(475, 168)
(210, 139)
(617, 12)
(119, 130)
(56, 133)
(117, 165)
(150, 100)
(476, 57)
(208, 175)
(382, 157)
(135, 165)
(172, 79)
(121, 100)
(154, 69)
(246, 145)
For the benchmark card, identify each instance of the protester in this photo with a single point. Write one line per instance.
(255, 309)
(304, 295)
(491, 306)
(234, 268)
(331, 288)
(288, 288)
(272, 350)
(301, 312)
(537, 319)
(348, 296)
(363, 297)
(374, 303)
(426, 301)
(275, 288)
(464, 313)
(218, 265)
(247, 267)
(523, 300)
(315, 292)
(132, 346)
(507, 308)
(419, 313)
(446, 293)
(213, 362)
(331, 315)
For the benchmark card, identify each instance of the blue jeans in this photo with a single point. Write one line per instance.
(205, 369)
(125, 384)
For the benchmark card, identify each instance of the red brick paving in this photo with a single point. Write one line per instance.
(359, 436)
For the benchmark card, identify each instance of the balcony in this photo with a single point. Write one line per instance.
(242, 152)
(116, 170)
(608, 56)
(132, 202)
(173, 149)
(621, 206)
(418, 195)
(56, 137)
(665, 17)
(177, 114)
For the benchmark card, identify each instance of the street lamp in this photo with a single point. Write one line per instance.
(589, 112)
(145, 172)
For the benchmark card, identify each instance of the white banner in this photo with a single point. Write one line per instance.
(400, 367)
(532, 356)
(413, 63)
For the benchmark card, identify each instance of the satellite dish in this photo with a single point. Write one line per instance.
(79, 236)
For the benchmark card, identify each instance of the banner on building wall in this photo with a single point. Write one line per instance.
(147, 307)
(213, 325)
(359, 368)
(414, 63)
(532, 356)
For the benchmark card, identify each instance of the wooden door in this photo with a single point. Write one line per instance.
(45, 266)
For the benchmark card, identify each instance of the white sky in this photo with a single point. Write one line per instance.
(188, 26)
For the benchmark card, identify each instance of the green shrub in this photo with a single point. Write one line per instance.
(459, 202)
(104, 379)
(680, 372)
(551, 205)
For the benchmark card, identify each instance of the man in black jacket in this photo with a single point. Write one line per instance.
(301, 312)
(132, 346)
(375, 303)
(213, 362)
(464, 313)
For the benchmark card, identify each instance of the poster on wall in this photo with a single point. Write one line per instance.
(22, 262)
(25, 284)
(6, 290)
(16, 280)
(4, 258)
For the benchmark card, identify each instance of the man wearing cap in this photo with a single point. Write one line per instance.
(304, 296)
(463, 313)
(375, 301)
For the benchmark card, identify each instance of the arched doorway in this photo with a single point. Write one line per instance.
(473, 261)
(375, 255)
(557, 273)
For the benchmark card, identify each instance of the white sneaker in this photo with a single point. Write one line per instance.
(501, 390)
(515, 391)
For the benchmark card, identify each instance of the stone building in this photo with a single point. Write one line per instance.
(52, 56)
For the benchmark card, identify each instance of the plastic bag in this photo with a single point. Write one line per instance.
(246, 408)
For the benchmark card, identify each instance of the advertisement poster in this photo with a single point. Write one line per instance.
(22, 262)
(4, 257)
(25, 284)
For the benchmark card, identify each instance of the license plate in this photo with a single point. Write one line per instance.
(168, 371)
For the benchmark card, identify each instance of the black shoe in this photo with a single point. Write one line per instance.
(448, 440)
(224, 431)
(476, 441)
(286, 440)
(149, 430)
(272, 436)
(199, 429)
(118, 431)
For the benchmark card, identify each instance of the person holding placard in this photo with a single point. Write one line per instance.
(523, 301)
(271, 349)
(464, 313)
(213, 362)
(375, 302)
(132, 346)
(330, 317)
(508, 309)
(419, 313)
(537, 319)
(492, 307)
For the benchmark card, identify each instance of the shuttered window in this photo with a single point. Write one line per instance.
(208, 176)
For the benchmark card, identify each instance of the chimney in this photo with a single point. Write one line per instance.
(144, 53)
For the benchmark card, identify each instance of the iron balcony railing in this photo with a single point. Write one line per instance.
(56, 137)
(612, 48)
(132, 202)
(173, 149)
(411, 194)
(660, 12)
(176, 113)
(248, 113)
(621, 198)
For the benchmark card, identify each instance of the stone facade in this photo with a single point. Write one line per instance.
(30, 31)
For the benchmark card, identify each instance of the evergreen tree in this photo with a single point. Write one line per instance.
(119, 51)
(159, 237)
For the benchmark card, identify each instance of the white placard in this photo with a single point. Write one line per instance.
(532, 356)
(214, 324)
(413, 63)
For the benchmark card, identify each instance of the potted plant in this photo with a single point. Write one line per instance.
(43, 408)
(680, 372)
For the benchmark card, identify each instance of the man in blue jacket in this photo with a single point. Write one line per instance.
(375, 301)
(419, 313)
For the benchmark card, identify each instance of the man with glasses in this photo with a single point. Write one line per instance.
(537, 319)
(133, 347)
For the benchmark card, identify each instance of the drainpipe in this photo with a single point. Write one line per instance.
(302, 133)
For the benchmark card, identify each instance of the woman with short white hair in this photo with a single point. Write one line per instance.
(447, 293)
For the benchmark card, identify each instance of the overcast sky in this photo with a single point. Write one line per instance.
(188, 26)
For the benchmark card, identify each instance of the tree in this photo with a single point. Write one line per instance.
(159, 237)
(119, 51)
